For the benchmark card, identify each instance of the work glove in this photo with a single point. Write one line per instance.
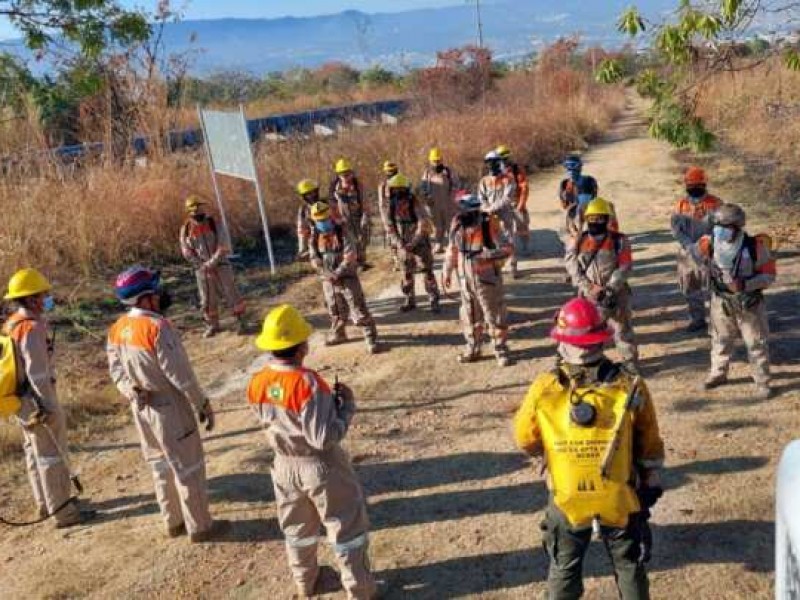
(607, 299)
(345, 402)
(141, 398)
(206, 415)
(40, 416)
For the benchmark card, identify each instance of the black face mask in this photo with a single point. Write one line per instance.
(311, 199)
(495, 168)
(164, 300)
(469, 219)
(696, 192)
(199, 217)
(399, 196)
(597, 229)
(438, 168)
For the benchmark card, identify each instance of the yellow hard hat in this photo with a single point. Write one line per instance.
(306, 186)
(435, 155)
(283, 328)
(26, 282)
(399, 181)
(599, 207)
(343, 166)
(389, 167)
(193, 203)
(320, 211)
(503, 151)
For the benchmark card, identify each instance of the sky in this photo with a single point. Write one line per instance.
(214, 9)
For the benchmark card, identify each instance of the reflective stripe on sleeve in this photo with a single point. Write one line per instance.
(355, 543)
(49, 461)
(296, 542)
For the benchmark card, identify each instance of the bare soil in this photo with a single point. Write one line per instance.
(455, 509)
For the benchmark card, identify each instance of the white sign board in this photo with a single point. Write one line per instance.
(787, 525)
(229, 144)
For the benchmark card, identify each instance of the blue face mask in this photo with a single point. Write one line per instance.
(325, 226)
(575, 174)
(49, 304)
(696, 194)
(723, 234)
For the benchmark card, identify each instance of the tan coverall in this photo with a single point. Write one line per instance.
(438, 190)
(476, 253)
(691, 221)
(334, 255)
(202, 247)
(407, 222)
(383, 208)
(498, 196)
(314, 482)
(574, 196)
(303, 229)
(522, 221)
(602, 266)
(47, 472)
(150, 368)
(353, 208)
(744, 311)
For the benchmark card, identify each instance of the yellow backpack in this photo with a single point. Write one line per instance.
(575, 453)
(9, 400)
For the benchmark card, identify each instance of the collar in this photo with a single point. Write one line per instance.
(140, 312)
(282, 364)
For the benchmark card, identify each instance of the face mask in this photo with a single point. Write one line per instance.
(575, 174)
(311, 198)
(696, 194)
(439, 168)
(325, 226)
(597, 229)
(469, 219)
(164, 300)
(198, 217)
(723, 234)
(495, 168)
(49, 304)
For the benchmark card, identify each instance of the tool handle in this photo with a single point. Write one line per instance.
(613, 446)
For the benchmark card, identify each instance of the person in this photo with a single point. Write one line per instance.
(437, 187)
(522, 219)
(333, 255)
(692, 218)
(149, 366)
(599, 263)
(741, 267)
(43, 422)
(308, 190)
(476, 253)
(306, 419)
(346, 194)
(595, 427)
(207, 251)
(410, 228)
(575, 193)
(390, 169)
(497, 192)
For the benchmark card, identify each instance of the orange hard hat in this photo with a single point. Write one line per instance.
(695, 176)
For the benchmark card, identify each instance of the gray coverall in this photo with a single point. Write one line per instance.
(47, 472)
(314, 482)
(150, 368)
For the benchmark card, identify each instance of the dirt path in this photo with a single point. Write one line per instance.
(455, 509)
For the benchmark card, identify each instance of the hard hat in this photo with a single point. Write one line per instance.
(135, 282)
(284, 327)
(730, 215)
(306, 186)
(390, 168)
(400, 181)
(320, 211)
(504, 151)
(492, 156)
(193, 203)
(25, 283)
(468, 202)
(598, 207)
(435, 155)
(343, 166)
(695, 176)
(579, 324)
(572, 162)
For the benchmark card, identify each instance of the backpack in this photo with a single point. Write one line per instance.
(10, 403)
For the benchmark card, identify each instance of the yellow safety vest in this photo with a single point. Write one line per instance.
(9, 400)
(575, 454)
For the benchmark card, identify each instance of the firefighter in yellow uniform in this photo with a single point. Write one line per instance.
(595, 425)
(306, 420)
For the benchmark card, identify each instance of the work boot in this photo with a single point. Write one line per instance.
(82, 517)
(471, 354)
(501, 354)
(336, 339)
(42, 512)
(515, 274)
(435, 304)
(762, 391)
(409, 305)
(328, 582)
(714, 381)
(176, 531)
(219, 527)
(210, 331)
(697, 326)
(373, 347)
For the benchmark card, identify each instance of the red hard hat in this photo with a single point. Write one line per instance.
(695, 176)
(579, 324)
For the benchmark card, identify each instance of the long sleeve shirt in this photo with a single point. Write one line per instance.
(606, 262)
(690, 221)
(497, 193)
(35, 353)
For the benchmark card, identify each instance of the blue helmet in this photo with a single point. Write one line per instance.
(468, 202)
(573, 162)
(135, 282)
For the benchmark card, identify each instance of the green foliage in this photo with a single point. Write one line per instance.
(609, 71)
(791, 58)
(650, 85)
(376, 76)
(631, 22)
(671, 122)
